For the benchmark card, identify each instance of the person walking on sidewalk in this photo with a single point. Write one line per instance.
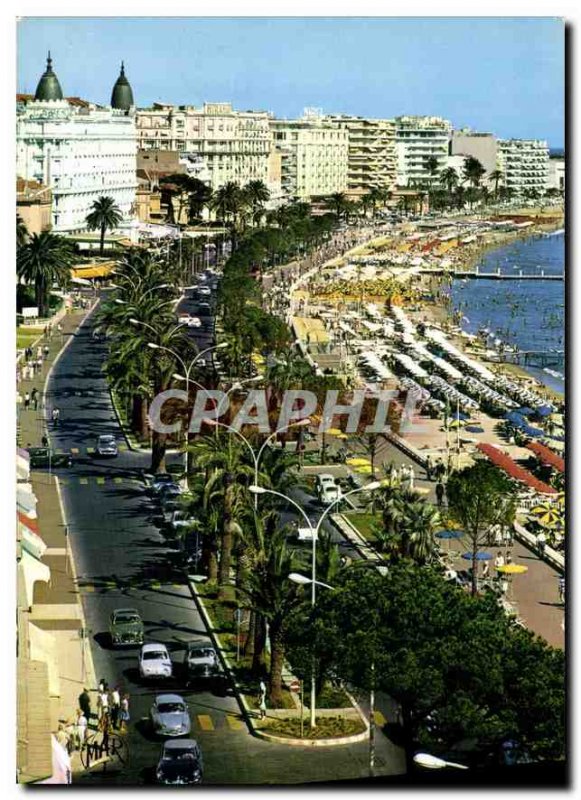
(115, 707)
(124, 714)
(81, 725)
(46, 351)
(26, 401)
(262, 699)
(56, 416)
(541, 543)
(439, 493)
(85, 703)
(34, 398)
(562, 590)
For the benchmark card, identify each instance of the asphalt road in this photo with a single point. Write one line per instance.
(122, 559)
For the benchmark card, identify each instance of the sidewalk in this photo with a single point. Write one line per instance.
(57, 609)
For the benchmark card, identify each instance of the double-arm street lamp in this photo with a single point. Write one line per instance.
(300, 423)
(256, 490)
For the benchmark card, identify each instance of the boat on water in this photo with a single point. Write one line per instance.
(555, 233)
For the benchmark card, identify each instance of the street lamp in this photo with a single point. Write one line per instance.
(300, 423)
(302, 580)
(369, 487)
(433, 762)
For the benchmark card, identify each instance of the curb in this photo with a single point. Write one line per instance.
(247, 712)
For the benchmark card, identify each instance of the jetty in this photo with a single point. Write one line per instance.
(494, 276)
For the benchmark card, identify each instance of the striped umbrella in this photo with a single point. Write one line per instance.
(547, 514)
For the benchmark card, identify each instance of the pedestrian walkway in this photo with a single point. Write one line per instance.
(56, 615)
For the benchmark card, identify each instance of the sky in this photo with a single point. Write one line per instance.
(503, 75)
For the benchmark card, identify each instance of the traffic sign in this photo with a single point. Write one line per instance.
(295, 686)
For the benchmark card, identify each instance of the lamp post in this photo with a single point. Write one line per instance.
(256, 490)
(433, 762)
(187, 368)
(256, 458)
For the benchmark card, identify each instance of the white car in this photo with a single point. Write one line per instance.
(327, 489)
(107, 446)
(181, 519)
(204, 291)
(154, 661)
(191, 322)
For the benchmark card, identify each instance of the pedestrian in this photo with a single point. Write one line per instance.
(62, 737)
(46, 350)
(85, 703)
(45, 444)
(103, 703)
(26, 401)
(56, 416)
(497, 531)
(507, 536)
(124, 713)
(59, 328)
(115, 707)
(46, 330)
(439, 493)
(39, 353)
(411, 478)
(562, 590)
(499, 561)
(262, 699)
(81, 729)
(429, 468)
(485, 570)
(34, 398)
(541, 543)
(508, 557)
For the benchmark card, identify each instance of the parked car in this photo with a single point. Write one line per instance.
(126, 627)
(205, 291)
(180, 763)
(201, 661)
(327, 489)
(169, 491)
(181, 519)
(107, 446)
(159, 481)
(154, 661)
(169, 715)
(45, 457)
(190, 321)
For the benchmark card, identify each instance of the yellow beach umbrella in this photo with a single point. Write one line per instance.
(513, 569)
(334, 432)
(358, 462)
(547, 514)
(364, 469)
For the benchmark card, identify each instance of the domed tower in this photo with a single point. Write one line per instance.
(122, 95)
(48, 87)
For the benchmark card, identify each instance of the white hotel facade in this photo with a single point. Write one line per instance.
(78, 150)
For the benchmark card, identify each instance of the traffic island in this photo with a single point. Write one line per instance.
(335, 726)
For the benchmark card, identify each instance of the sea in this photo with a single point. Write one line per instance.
(529, 315)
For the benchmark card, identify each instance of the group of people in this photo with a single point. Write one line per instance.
(112, 707)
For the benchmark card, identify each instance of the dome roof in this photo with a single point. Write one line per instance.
(48, 87)
(122, 95)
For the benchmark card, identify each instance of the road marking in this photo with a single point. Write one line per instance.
(155, 585)
(235, 723)
(88, 588)
(117, 480)
(83, 481)
(59, 452)
(74, 451)
(101, 481)
(380, 720)
(177, 585)
(90, 451)
(205, 722)
(122, 447)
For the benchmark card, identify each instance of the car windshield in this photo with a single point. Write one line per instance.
(179, 755)
(106, 439)
(151, 655)
(171, 708)
(125, 619)
(202, 653)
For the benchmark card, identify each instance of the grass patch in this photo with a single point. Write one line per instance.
(332, 697)
(364, 523)
(26, 335)
(327, 727)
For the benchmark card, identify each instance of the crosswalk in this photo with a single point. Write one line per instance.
(92, 587)
(89, 451)
(99, 480)
(206, 723)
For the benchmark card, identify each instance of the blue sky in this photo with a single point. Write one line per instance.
(499, 74)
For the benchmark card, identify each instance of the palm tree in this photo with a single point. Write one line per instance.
(228, 202)
(272, 595)
(258, 194)
(496, 176)
(449, 179)
(473, 171)
(105, 215)
(45, 259)
(420, 523)
(431, 165)
(199, 197)
(337, 202)
(21, 232)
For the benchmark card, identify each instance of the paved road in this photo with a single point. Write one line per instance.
(122, 559)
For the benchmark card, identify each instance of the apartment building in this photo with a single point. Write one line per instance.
(216, 143)
(314, 155)
(524, 163)
(482, 146)
(372, 160)
(417, 141)
(556, 173)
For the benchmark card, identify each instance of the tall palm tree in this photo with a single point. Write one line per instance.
(258, 194)
(44, 259)
(419, 526)
(473, 171)
(228, 201)
(431, 165)
(274, 596)
(449, 178)
(105, 216)
(337, 202)
(496, 176)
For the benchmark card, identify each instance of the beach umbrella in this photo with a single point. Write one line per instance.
(363, 469)
(544, 411)
(333, 432)
(450, 534)
(460, 415)
(547, 514)
(480, 556)
(512, 569)
(358, 462)
(525, 411)
(474, 429)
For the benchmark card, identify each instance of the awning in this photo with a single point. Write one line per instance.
(43, 647)
(547, 456)
(26, 499)
(30, 570)
(29, 538)
(61, 765)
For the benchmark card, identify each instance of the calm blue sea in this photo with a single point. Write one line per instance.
(528, 314)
